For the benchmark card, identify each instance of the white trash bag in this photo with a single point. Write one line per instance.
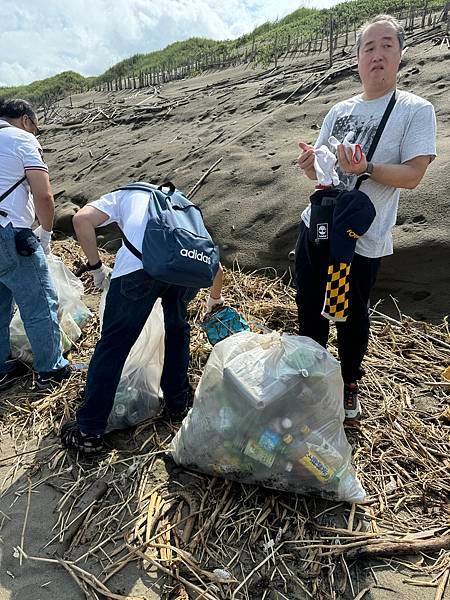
(73, 314)
(268, 410)
(138, 393)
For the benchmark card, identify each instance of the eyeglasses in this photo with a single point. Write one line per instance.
(35, 125)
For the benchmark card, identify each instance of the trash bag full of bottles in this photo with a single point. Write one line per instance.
(268, 410)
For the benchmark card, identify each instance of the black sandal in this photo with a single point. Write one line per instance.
(73, 439)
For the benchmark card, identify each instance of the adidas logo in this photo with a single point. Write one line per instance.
(195, 255)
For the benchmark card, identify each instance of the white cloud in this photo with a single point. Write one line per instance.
(44, 37)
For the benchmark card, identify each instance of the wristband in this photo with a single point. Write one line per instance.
(90, 267)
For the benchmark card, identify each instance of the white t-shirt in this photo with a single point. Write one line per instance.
(409, 132)
(127, 208)
(20, 152)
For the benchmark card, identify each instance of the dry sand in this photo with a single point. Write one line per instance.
(253, 199)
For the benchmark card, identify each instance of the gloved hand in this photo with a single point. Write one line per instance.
(355, 151)
(44, 238)
(101, 276)
(324, 162)
(211, 302)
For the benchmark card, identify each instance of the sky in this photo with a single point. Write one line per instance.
(40, 38)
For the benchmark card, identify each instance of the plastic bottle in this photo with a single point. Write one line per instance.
(259, 453)
(117, 414)
(307, 361)
(141, 405)
(282, 424)
(80, 314)
(233, 458)
(131, 406)
(308, 461)
(268, 446)
(322, 448)
(224, 419)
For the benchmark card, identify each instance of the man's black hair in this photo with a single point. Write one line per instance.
(16, 108)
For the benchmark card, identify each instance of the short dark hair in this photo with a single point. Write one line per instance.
(16, 108)
(399, 30)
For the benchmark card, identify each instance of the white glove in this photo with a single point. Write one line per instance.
(324, 162)
(355, 148)
(44, 238)
(101, 276)
(210, 302)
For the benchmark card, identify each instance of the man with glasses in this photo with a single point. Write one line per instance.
(25, 193)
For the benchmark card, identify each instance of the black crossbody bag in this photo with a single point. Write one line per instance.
(323, 202)
(12, 188)
(25, 240)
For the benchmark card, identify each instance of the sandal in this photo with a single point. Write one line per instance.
(73, 439)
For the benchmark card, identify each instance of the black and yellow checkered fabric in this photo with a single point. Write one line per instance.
(337, 292)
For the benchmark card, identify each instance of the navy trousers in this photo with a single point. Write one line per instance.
(129, 302)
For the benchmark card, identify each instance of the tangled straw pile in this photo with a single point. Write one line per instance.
(203, 537)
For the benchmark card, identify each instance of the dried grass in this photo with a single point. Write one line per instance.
(266, 544)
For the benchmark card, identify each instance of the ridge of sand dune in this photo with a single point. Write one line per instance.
(253, 199)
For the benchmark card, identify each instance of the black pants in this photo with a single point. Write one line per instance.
(129, 302)
(311, 267)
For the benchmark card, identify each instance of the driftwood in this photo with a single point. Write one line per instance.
(376, 549)
(194, 189)
(84, 506)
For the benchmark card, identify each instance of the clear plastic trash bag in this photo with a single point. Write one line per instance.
(138, 393)
(268, 410)
(73, 314)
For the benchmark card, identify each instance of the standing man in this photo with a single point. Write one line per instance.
(405, 149)
(130, 300)
(25, 194)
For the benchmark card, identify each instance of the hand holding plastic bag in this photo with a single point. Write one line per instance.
(73, 314)
(101, 277)
(356, 152)
(324, 163)
(211, 302)
(44, 238)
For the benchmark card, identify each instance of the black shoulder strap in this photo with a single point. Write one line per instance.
(376, 139)
(145, 188)
(130, 247)
(13, 187)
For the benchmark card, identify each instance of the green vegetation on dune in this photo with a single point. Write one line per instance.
(46, 91)
(306, 21)
(177, 53)
(303, 22)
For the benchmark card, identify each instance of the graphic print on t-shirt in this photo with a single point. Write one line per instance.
(364, 129)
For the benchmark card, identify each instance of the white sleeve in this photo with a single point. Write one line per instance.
(110, 205)
(326, 129)
(420, 135)
(30, 152)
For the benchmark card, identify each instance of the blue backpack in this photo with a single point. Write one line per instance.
(177, 247)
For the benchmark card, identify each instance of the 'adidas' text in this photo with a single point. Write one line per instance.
(195, 255)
